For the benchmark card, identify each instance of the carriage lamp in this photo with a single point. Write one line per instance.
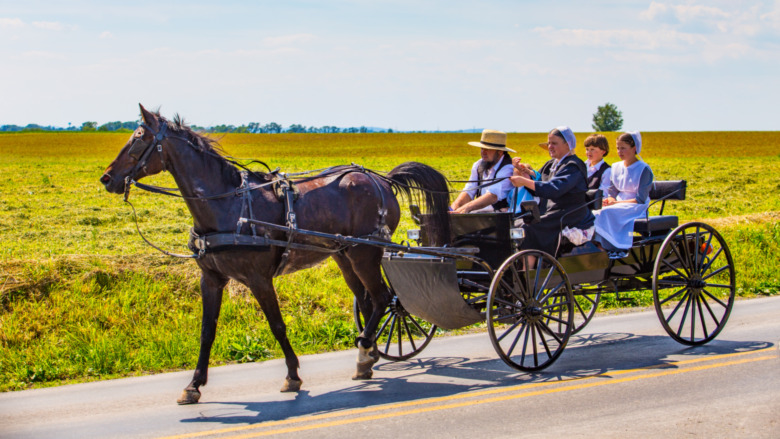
(517, 234)
(413, 234)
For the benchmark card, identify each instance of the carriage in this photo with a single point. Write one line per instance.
(252, 226)
(533, 302)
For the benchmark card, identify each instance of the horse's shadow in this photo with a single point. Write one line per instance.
(590, 355)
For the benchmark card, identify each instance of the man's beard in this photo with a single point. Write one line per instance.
(485, 165)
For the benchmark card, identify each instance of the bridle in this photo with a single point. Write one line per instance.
(141, 150)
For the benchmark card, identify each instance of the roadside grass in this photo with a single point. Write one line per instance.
(83, 298)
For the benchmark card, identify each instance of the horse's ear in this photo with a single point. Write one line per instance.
(149, 118)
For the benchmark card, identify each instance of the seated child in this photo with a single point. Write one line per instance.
(596, 148)
(627, 197)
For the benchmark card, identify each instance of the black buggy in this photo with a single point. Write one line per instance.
(532, 302)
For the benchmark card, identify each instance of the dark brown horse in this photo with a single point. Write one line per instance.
(348, 201)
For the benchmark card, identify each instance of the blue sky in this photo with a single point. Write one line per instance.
(523, 66)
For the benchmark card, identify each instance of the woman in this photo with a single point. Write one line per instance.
(596, 148)
(561, 189)
(627, 198)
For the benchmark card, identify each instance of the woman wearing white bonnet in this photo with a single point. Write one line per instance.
(626, 199)
(561, 189)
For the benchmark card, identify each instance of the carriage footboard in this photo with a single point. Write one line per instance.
(427, 287)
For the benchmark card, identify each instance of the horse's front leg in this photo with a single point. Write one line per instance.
(211, 287)
(263, 290)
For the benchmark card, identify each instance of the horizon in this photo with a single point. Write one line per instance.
(669, 66)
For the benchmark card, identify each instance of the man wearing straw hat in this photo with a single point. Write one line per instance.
(489, 183)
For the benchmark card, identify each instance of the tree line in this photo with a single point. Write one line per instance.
(253, 127)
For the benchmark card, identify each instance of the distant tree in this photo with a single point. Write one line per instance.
(89, 126)
(273, 128)
(607, 118)
(296, 128)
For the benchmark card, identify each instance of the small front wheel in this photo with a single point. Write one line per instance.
(530, 312)
(400, 335)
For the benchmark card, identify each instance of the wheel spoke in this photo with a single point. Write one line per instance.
(510, 329)
(552, 291)
(685, 313)
(674, 268)
(714, 298)
(384, 326)
(419, 328)
(672, 296)
(718, 286)
(507, 317)
(707, 305)
(546, 279)
(535, 290)
(683, 262)
(696, 250)
(390, 334)
(533, 345)
(687, 252)
(523, 329)
(677, 308)
(400, 337)
(712, 260)
(544, 343)
(678, 283)
(409, 333)
(718, 271)
(510, 290)
(704, 252)
(552, 334)
(701, 317)
(549, 317)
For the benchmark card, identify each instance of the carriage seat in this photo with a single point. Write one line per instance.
(661, 224)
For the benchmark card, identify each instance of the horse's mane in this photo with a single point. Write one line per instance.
(205, 143)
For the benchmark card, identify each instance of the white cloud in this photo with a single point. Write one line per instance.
(49, 25)
(285, 40)
(620, 38)
(106, 35)
(10, 23)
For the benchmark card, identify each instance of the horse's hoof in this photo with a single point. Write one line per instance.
(189, 396)
(364, 371)
(291, 385)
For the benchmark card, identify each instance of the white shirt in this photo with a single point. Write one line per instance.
(604, 184)
(499, 189)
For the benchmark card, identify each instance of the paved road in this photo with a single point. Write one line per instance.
(622, 377)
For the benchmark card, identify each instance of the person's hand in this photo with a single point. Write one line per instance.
(462, 209)
(516, 162)
(609, 201)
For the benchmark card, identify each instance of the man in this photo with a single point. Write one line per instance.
(561, 190)
(484, 192)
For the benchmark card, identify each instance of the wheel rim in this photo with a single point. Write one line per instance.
(400, 335)
(530, 313)
(694, 283)
(585, 305)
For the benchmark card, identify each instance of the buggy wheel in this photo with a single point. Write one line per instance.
(530, 312)
(400, 335)
(694, 283)
(585, 305)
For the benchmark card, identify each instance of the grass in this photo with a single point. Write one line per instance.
(83, 298)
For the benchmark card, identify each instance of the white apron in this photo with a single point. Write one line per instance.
(615, 223)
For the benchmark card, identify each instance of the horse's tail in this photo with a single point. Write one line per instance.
(431, 187)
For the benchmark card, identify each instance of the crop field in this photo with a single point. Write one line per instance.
(83, 298)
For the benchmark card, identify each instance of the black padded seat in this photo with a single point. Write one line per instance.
(661, 224)
(653, 224)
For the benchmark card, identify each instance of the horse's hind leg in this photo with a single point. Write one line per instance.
(211, 286)
(361, 269)
(264, 292)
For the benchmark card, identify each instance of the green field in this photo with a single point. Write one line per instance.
(82, 297)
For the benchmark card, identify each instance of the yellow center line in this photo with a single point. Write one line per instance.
(472, 395)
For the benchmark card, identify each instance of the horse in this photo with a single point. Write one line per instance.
(346, 201)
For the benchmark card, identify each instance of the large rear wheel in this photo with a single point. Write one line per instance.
(530, 312)
(694, 283)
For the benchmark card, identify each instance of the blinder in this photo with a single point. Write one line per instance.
(138, 148)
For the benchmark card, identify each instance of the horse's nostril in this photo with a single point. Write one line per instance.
(105, 178)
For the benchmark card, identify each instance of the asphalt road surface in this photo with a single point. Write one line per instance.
(621, 377)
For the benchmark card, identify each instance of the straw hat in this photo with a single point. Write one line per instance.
(492, 139)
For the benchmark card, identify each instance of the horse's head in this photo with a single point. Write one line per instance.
(141, 156)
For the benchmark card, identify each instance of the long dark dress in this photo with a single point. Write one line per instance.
(560, 191)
